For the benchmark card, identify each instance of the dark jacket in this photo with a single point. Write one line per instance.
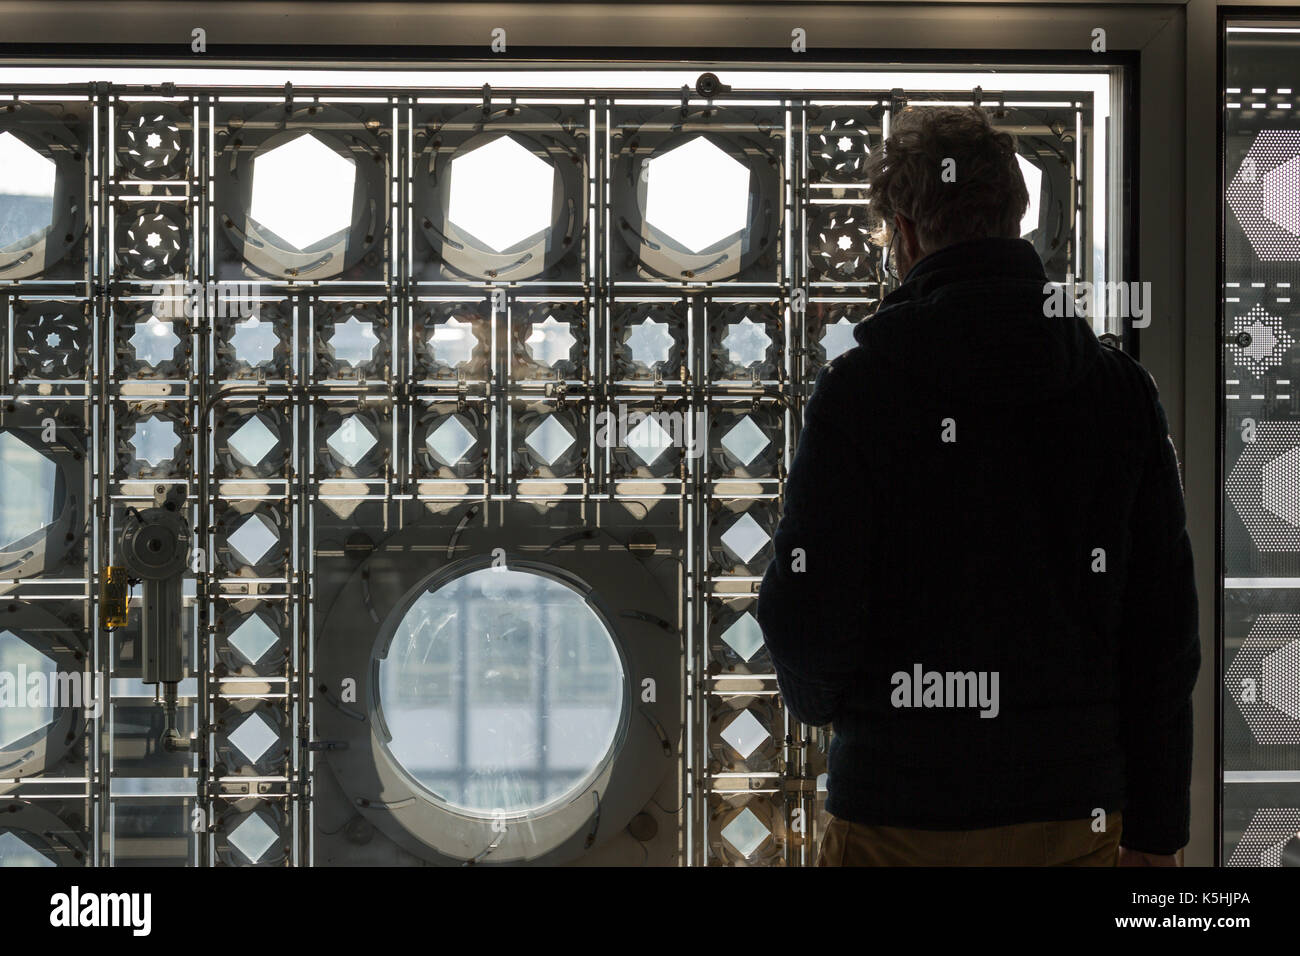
(1045, 543)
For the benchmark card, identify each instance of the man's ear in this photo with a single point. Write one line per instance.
(907, 236)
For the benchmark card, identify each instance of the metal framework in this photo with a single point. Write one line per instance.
(745, 790)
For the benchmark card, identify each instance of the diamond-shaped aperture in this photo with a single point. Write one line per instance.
(17, 852)
(648, 439)
(253, 638)
(745, 538)
(550, 342)
(26, 192)
(352, 440)
(837, 338)
(302, 191)
(27, 479)
(650, 343)
(449, 441)
(745, 440)
(154, 441)
(252, 441)
(746, 832)
(697, 194)
(550, 439)
(154, 341)
(1033, 177)
(1280, 679)
(746, 342)
(744, 636)
(253, 837)
(501, 193)
(1280, 489)
(253, 539)
(254, 341)
(452, 342)
(17, 718)
(745, 734)
(353, 342)
(254, 737)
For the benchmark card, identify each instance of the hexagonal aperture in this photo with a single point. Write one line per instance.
(20, 660)
(697, 194)
(27, 477)
(501, 193)
(154, 341)
(1264, 195)
(1279, 679)
(26, 192)
(550, 341)
(1033, 177)
(302, 191)
(1280, 489)
(154, 441)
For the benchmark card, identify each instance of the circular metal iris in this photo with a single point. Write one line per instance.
(502, 691)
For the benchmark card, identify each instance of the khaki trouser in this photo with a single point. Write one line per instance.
(1055, 843)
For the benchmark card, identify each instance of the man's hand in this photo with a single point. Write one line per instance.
(1129, 857)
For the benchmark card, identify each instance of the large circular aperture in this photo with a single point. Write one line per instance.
(502, 691)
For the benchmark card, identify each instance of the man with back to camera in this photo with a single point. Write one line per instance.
(982, 575)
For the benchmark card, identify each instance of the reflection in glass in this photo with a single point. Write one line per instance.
(501, 691)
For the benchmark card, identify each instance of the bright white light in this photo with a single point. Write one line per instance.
(745, 733)
(744, 636)
(252, 441)
(26, 191)
(746, 832)
(1034, 185)
(697, 194)
(449, 441)
(353, 342)
(649, 440)
(154, 341)
(27, 480)
(550, 341)
(501, 193)
(252, 638)
(254, 737)
(745, 538)
(746, 342)
(452, 342)
(745, 440)
(253, 837)
(253, 539)
(352, 441)
(550, 439)
(650, 343)
(837, 338)
(154, 441)
(302, 191)
(17, 717)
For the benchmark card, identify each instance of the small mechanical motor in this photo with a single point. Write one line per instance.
(155, 548)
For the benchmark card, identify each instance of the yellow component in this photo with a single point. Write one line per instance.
(113, 594)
